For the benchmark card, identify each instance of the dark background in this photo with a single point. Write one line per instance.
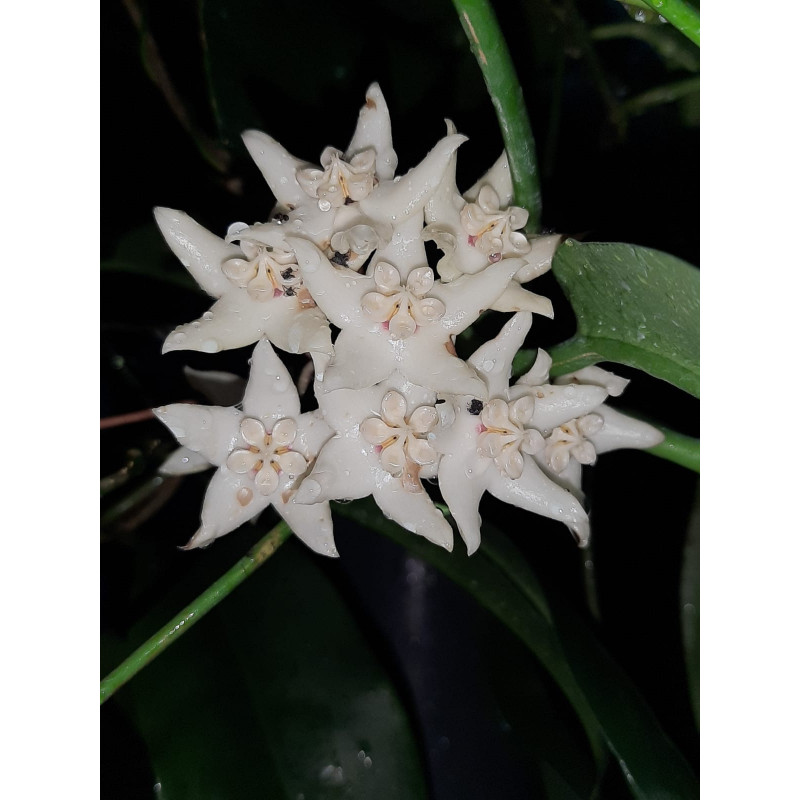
(609, 173)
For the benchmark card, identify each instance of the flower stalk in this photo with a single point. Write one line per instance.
(195, 611)
(491, 51)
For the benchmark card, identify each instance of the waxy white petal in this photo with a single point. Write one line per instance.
(515, 298)
(493, 359)
(499, 178)
(402, 198)
(312, 524)
(199, 250)
(344, 470)
(467, 296)
(534, 492)
(270, 393)
(596, 376)
(373, 130)
(223, 507)
(184, 461)
(338, 291)
(621, 431)
(462, 492)
(415, 512)
(211, 431)
(277, 165)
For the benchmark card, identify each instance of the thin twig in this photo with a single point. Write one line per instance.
(217, 156)
(195, 611)
(131, 417)
(126, 419)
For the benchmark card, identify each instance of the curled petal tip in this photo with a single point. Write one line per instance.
(581, 534)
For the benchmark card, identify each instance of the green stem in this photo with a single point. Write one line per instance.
(678, 448)
(682, 15)
(490, 49)
(195, 611)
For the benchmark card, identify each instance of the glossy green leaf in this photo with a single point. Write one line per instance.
(653, 766)
(497, 578)
(634, 306)
(603, 697)
(276, 694)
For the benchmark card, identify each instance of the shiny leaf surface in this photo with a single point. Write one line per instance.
(634, 306)
(275, 695)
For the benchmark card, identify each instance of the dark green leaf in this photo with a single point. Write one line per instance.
(497, 580)
(554, 743)
(653, 766)
(275, 695)
(601, 694)
(690, 608)
(635, 306)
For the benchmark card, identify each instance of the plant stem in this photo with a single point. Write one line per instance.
(682, 15)
(195, 611)
(678, 448)
(490, 49)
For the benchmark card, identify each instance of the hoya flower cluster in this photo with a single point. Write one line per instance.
(344, 250)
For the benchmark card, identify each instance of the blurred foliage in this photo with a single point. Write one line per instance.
(311, 663)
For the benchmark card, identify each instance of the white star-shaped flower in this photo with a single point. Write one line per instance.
(381, 449)
(259, 291)
(482, 227)
(580, 440)
(355, 202)
(488, 447)
(390, 323)
(261, 453)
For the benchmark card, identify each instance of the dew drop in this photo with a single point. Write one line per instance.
(209, 315)
(244, 496)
